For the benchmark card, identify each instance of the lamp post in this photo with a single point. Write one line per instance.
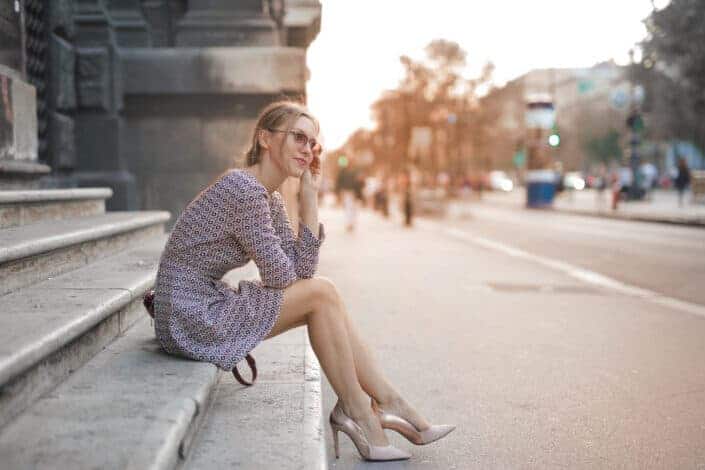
(635, 124)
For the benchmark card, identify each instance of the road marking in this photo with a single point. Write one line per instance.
(584, 275)
(693, 238)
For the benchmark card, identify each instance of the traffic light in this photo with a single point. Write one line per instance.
(635, 122)
(554, 140)
(342, 161)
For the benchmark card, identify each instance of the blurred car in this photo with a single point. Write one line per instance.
(573, 180)
(499, 181)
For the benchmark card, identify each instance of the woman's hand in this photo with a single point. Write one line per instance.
(311, 177)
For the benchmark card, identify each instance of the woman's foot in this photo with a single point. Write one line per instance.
(401, 408)
(367, 420)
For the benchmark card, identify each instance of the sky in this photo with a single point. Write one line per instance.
(355, 57)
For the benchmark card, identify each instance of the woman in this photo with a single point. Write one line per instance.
(241, 217)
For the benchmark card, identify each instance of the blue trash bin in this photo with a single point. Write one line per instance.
(540, 188)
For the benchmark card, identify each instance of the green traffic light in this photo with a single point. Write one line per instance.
(554, 140)
(342, 161)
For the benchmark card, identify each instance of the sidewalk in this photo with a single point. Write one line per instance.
(661, 208)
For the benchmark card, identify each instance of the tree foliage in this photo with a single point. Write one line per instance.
(604, 148)
(432, 93)
(673, 70)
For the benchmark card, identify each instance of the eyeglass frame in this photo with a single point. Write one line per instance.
(311, 142)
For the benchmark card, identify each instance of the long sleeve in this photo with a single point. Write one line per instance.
(303, 252)
(250, 222)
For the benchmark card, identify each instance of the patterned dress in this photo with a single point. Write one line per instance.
(231, 222)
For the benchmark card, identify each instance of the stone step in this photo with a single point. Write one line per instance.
(29, 206)
(48, 330)
(35, 252)
(132, 406)
(277, 423)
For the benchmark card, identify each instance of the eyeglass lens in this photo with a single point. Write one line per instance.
(302, 139)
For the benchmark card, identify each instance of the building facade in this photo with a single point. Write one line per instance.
(155, 99)
(589, 103)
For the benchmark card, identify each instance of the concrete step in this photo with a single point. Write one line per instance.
(277, 423)
(50, 329)
(35, 252)
(132, 406)
(29, 206)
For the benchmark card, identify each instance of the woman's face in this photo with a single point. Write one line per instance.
(292, 150)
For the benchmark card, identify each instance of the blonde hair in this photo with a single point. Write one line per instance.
(275, 114)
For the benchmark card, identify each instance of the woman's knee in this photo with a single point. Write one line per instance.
(325, 293)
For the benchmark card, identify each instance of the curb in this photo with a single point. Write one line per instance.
(314, 451)
(694, 222)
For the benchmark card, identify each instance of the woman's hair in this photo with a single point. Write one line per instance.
(274, 115)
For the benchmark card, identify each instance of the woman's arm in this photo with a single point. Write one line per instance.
(302, 251)
(308, 207)
(250, 223)
(308, 199)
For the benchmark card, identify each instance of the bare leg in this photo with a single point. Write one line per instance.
(375, 383)
(369, 376)
(317, 303)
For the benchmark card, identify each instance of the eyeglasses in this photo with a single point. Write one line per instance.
(300, 138)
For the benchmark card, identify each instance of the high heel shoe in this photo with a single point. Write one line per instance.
(408, 430)
(339, 421)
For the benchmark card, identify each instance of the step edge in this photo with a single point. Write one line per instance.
(13, 197)
(25, 358)
(162, 444)
(105, 229)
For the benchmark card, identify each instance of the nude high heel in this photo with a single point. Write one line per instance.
(408, 430)
(339, 421)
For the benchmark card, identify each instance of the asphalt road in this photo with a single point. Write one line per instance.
(667, 259)
(536, 368)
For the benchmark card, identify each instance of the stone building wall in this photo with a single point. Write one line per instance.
(156, 99)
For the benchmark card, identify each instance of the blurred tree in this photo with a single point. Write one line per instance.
(433, 93)
(672, 71)
(605, 148)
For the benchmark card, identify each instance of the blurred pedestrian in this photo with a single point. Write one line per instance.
(616, 184)
(347, 187)
(407, 197)
(601, 185)
(682, 179)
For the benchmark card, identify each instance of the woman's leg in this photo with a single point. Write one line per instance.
(374, 382)
(316, 302)
(369, 375)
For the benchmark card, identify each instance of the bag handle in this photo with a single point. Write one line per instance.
(253, 367)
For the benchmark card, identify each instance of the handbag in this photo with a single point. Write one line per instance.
(148, 302)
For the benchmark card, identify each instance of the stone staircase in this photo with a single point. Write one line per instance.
(83, 381)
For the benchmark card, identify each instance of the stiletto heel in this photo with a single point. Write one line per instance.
(408, 430)
(339, 421)
(335, 442)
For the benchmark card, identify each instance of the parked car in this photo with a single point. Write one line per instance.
(499, 181)
(573, 180)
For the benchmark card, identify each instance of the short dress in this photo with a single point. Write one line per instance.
(233, 221)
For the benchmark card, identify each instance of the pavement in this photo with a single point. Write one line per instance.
(539, 363)
(661, 206)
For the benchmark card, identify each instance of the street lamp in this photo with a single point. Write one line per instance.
(635, 124)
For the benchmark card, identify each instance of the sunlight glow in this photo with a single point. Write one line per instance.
(356, 55)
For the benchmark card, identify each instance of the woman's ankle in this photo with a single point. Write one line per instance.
(356, 409)
(391, 401)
